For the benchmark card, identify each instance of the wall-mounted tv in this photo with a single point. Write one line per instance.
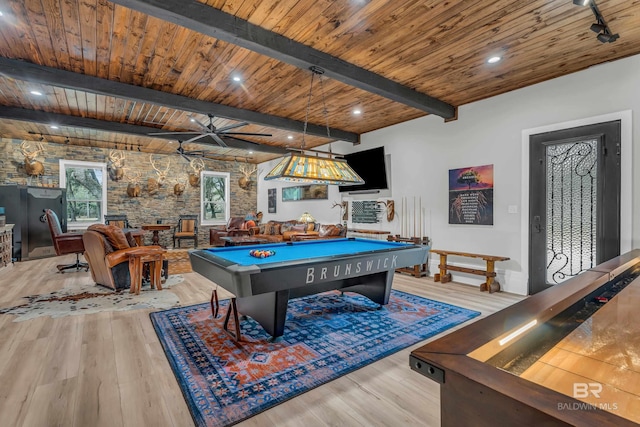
(370, 165)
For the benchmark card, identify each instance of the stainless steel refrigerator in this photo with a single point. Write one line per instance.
(24, 207)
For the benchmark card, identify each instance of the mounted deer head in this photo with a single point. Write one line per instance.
(133, 188)
(153, 184)
(180, 183)
(31, 165)
(245, 181)
(115, 165)
(197, 166)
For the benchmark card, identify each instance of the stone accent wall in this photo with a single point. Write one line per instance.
(164, 205)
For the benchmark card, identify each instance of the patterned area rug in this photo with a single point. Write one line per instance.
(326, 336)
(91, 298)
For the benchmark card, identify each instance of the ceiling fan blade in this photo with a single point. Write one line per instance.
(174, 133)
(229, 127)
(218, 140)
(243, 144)
(185, 157)
(245, 133)
(194, 153)
(201, 135)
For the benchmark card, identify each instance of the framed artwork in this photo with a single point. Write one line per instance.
(271, 200)
(471, 195)
(305, 192)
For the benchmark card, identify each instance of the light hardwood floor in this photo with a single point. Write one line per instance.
(108, 369)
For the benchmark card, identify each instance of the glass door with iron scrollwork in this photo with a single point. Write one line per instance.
(574, 202)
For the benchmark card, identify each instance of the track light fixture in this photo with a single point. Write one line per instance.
(604, 33)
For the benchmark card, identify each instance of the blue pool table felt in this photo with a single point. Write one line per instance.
(303, 250)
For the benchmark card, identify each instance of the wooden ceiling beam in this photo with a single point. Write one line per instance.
(213, 22)
(27, 71)
(33, 116)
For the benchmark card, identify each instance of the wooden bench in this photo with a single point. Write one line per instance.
(490, 285)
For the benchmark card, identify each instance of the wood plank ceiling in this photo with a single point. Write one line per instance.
(112, 72)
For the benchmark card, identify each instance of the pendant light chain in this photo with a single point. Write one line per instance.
(306, 115)
(324, 108)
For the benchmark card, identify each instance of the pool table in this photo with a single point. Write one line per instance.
(263, 286)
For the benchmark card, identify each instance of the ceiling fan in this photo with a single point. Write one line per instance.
(186, 153)
(209, 130)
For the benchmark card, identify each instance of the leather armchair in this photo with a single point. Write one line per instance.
(109, 265)
(65, 243)
(233, 228)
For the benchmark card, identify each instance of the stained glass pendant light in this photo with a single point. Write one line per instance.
(313, 166)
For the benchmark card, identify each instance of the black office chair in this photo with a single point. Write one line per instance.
(65, 243)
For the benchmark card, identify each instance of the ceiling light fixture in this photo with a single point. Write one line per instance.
(35, 92)
(54, 127)
(357, 112)
(236, 78)
(494, 59)
(605, 35)
(311, 168)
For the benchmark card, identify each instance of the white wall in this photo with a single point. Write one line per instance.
(491, 132)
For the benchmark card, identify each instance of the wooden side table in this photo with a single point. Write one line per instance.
(136, 261)
(156, 228)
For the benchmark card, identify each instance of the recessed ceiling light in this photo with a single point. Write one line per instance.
(35, 92)
(54, 127)
(1, 14)
(250, 152)
(357, 112)
(192, 119)
(289, 136)
(236, 78)
(494, 59)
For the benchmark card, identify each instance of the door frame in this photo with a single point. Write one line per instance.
(626, 195)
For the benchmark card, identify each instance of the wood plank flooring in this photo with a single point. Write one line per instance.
(108, 369)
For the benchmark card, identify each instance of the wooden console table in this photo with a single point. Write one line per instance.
(490, 285)
(419, 270)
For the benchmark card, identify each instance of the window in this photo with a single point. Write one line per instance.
(86, 186)
(214, 197)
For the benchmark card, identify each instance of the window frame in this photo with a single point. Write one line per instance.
(64, 164)
(227, 210)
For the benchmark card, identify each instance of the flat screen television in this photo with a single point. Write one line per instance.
(370, 165)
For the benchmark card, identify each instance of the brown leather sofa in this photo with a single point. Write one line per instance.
(284, 231)
(107, 250)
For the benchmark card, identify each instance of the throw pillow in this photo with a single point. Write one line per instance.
(114, 235)
(299, 228)
(272, 229)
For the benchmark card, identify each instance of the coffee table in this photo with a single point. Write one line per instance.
(242, 240)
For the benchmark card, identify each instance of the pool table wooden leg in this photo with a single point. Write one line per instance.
(215, 304)
(233, 309)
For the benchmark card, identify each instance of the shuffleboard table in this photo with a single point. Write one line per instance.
(263, 286)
